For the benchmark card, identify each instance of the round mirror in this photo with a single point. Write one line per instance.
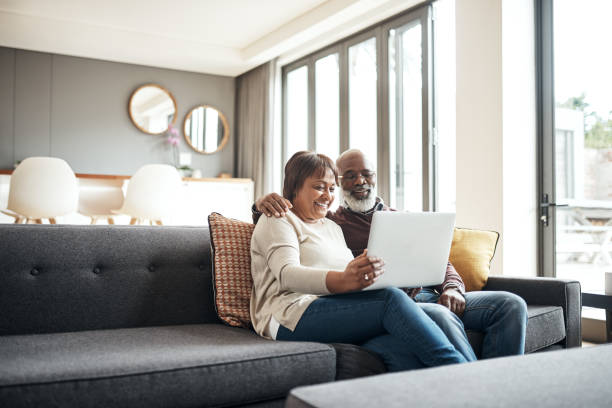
(152, 108)
(206, 129)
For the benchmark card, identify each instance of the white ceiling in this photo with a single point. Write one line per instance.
(224, 37)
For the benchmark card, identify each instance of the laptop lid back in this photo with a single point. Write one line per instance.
(414, 246)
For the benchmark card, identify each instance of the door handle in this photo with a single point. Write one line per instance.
(544, 206)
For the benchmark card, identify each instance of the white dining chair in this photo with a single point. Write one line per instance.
(151, 194)
(99, 197)
(42, 188)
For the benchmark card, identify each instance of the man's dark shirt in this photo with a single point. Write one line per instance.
(356, 229)
(356, 225)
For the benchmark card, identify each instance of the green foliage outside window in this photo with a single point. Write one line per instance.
(597, 131)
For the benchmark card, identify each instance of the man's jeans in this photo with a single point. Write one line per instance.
(385, 321)
(500, 316)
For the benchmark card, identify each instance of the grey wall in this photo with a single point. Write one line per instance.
(76, 109)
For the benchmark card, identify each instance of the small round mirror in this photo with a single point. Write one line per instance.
(206, 129)
(152, 108)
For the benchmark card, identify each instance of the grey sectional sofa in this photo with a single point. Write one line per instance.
(125, 316)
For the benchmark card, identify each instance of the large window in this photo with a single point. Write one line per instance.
(374, 91)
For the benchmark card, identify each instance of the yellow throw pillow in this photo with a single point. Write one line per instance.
(471, 254)
(230, 242)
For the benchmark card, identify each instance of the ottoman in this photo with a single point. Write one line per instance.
(565, 378)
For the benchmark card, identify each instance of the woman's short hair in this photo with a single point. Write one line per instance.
(303, 165)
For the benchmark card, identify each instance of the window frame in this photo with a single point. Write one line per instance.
(545, 105)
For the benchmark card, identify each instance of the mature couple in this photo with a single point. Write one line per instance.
(300, 251)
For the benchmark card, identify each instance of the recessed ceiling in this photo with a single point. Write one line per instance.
(224, 37)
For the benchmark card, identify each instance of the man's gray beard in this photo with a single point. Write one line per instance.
(356, 204)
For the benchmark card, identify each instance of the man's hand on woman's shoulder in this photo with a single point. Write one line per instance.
(273, 205)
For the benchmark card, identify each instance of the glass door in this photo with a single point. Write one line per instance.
(576, 194)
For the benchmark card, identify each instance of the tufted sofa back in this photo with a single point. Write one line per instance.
(59, 278)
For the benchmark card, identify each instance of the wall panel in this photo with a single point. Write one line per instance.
(76, 109)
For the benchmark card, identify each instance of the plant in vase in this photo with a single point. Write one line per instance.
(185, 170)
(172, 138)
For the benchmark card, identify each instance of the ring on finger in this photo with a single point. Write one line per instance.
(365, 276)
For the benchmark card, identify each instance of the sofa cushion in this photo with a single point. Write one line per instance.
(471, 254)
(545, 327)
(230, 241)
(190, 365)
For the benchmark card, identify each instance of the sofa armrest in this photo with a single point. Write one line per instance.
(547, 291)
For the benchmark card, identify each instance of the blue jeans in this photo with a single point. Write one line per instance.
(501, 316)
(451, 325)
(377, 319)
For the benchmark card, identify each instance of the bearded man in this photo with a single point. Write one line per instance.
(500, 316)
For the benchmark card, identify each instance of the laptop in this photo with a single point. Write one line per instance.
(415, 247)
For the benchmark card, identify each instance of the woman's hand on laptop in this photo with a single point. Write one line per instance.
(273, 204)
(360, 273)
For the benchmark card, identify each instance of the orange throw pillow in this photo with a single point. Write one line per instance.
(471, 254)
(230, 242)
